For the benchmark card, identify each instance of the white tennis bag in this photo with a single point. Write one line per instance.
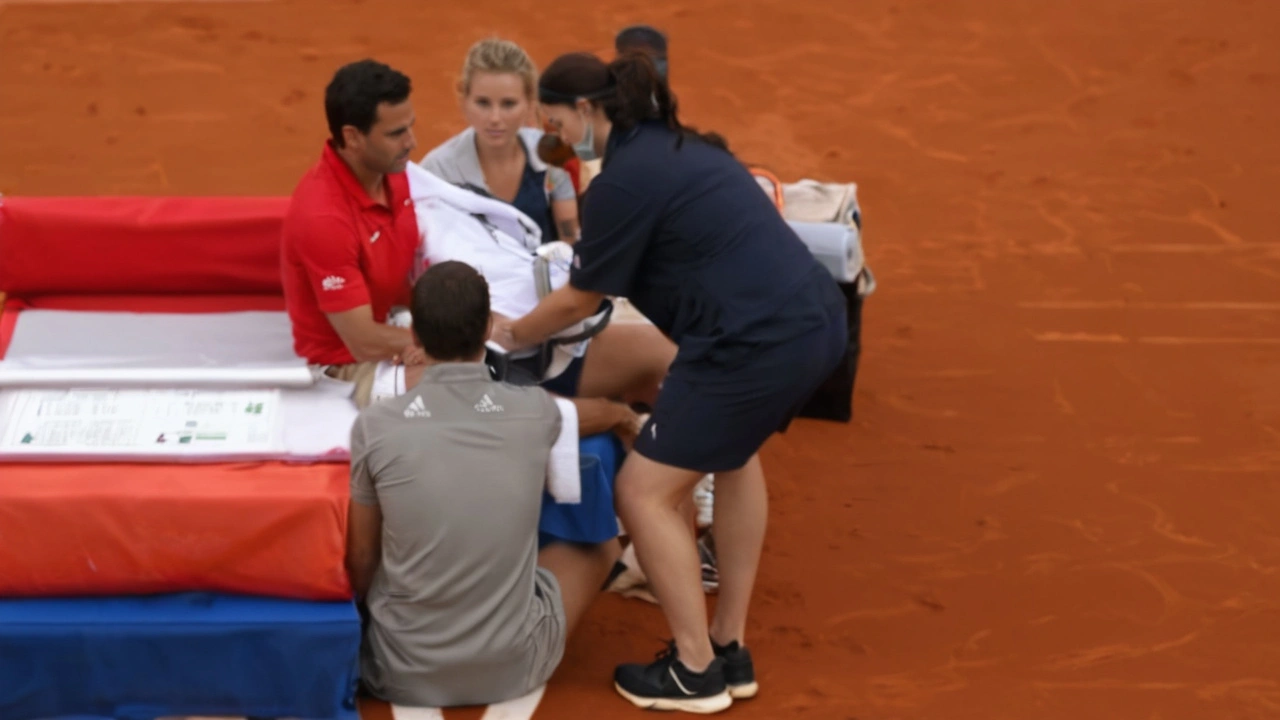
(828, 220)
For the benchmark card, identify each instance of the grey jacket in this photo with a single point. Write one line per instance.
(455, 160)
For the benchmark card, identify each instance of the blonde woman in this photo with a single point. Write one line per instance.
(497, 153)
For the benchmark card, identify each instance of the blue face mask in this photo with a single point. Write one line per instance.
(585, 148)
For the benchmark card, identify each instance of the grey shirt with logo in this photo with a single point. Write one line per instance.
(459, 612)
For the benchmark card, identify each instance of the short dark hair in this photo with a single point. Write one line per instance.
(640, 37)
(451, 311)
(356, 90)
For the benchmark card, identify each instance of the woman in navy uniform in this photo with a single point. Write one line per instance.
(678, 226)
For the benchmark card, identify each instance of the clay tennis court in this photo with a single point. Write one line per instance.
(1060, 495)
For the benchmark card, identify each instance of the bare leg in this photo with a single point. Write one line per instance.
(649, 496)
(581, 570)
(741, 512)
(689, 511)
(627, 361)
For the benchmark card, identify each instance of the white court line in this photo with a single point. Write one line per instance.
(1186, 248)
(1208, 341)
(1122, 305)
(1079, 337)
(4, 3)
(1114, 339)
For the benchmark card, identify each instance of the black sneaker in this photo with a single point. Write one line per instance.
(739, 673)
(666, 684)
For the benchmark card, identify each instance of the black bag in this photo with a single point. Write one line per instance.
(531, 370)
(833, 400)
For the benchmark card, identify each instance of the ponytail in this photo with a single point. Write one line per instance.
(641, 93)
(630, 90)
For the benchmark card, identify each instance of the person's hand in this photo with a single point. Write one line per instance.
(501, 333)
(628, 424)
(411, 355)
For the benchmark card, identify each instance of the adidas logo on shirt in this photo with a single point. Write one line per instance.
(417, 409)
(487, 405)
(333, 282)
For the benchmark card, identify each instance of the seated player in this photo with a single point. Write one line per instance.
(446, 489)
(625, 361)
(497, 152)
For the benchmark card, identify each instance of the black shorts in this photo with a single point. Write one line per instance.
(567, 382)
(523, 371)
(712, 417)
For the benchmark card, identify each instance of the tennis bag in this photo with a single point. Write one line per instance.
(827, 218)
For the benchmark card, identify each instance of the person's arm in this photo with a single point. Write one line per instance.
(617, 226)
(564, 205)
(598, 415)
(364, 517)
(364, 546)
(329, 249)
(557, 311)
(368, 339)
(565, 213)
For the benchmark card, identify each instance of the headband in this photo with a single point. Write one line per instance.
(549, 96)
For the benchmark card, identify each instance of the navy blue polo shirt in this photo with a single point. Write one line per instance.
(687, 235)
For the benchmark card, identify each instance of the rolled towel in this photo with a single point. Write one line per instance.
(388, 381)
(564, 474)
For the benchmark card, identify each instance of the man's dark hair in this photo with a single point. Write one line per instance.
(356, 90)
(451, 311)
(640, 37)
(646, 39)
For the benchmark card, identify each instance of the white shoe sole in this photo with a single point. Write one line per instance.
(744, 692)
(698, 706)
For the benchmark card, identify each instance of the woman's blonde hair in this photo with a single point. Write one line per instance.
(495, 55)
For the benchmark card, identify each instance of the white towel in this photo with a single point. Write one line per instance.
(388, 381)
(564, 475)
(424, 185)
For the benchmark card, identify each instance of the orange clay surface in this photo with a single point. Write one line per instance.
(1060, 496)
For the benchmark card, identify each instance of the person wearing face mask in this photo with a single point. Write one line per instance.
(552, 149)
(497, 152)
(350, 235)
(679, 227)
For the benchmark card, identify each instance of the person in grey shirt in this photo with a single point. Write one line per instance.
(446, 491)
(497, 153)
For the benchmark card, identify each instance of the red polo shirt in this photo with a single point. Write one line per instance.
(340, 250)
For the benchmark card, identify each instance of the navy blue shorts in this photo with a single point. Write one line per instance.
(565, 384)
(712, 417)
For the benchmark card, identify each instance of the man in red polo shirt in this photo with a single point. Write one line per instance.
(350, 235)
